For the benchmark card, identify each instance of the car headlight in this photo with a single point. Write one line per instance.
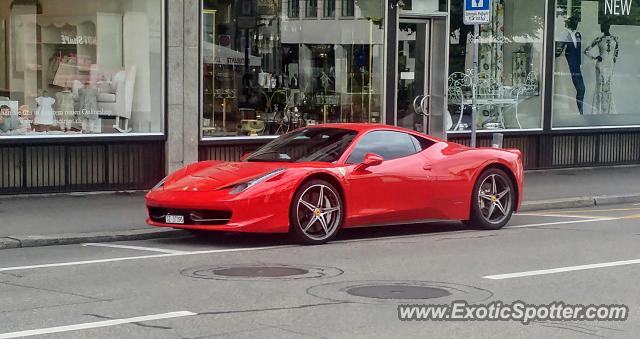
(160, 184)
(241, 187)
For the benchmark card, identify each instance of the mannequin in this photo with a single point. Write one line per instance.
(24, 117)
(88, 108)
(44, 117)
(66, 109)
(572, 49)
(608, 50)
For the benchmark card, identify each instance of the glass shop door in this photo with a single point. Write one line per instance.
(421, 74)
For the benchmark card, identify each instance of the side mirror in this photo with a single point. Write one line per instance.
(244, 156)
(370, 159)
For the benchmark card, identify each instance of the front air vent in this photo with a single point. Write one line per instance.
(191, 217)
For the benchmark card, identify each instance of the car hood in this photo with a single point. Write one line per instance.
(208, 176)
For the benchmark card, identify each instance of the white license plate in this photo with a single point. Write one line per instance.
(174, 219)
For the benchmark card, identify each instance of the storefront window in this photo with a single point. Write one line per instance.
(85, 67)
(426, 5)
(311, 8)
(510, 67)
(329, 8)
(293, 8)
(596, 74)
(348, 8)
(266, 75)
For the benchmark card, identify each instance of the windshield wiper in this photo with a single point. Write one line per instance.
(322, 152)
(252, 158)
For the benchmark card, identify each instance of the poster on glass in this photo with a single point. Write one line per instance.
(596, 71)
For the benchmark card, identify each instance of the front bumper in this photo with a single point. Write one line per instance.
(266, 212)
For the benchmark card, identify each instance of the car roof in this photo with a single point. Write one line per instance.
(359, 127)
(365, 127)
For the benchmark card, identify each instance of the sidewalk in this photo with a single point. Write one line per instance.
(46, 220)
(30, 221)
(569, 188)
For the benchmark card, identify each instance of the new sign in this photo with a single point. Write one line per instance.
(477, 12)
(617, 7)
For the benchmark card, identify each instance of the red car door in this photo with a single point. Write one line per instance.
(397, 190)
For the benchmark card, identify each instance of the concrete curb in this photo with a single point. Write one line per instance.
(617, 199)
(71, 194)
(578, 202)
(77, 238)
(540, 205)
(9, 243)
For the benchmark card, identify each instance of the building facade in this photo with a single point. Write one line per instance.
(111, 95)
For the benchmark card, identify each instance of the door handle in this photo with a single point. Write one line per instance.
(424, 106)
(417, 108)
(427, 167)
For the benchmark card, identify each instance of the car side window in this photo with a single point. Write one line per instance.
(388, 144)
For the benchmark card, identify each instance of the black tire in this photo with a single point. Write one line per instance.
(301, 215)
(482, 216)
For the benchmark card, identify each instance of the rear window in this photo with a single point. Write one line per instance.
(422, 143)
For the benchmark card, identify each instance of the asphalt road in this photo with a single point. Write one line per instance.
(199, 288)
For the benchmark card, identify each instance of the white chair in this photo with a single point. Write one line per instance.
(529, 87)
(115, 94)
(459, 84)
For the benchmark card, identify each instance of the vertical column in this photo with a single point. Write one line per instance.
(191, 80)
(547, 70)
(391, 83)
(183, 82)
(175, 85)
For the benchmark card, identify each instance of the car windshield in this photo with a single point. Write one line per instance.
(306, 145)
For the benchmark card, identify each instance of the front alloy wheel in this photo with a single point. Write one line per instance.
(316, 212)
(493, 200)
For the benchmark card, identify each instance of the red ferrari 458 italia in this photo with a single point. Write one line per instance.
(316, 180)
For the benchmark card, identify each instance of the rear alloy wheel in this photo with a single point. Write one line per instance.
(316, 213)
(493, 200)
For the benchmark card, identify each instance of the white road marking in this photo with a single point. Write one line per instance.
(471, 230)
(604, 210)
(167, 255)
(562, 269)
(562, 223)
(558, 216)
(139, 248)
(248, 249)
(96, 324)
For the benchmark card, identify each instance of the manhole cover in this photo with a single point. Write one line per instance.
(398, 292)
(261, 271)
(253, 272)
